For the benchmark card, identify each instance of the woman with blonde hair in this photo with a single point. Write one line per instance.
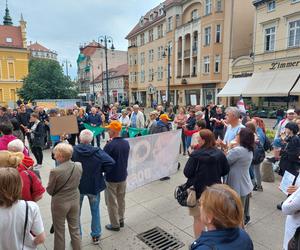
(21, 224)
(222, 214)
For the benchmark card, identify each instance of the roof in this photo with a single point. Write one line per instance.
(258, 2)
(157, 17)
(38, 47)
(90, 49)
(121, 70)
(11, 36)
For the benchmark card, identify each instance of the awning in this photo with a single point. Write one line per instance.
(272, 83)
(234, 87)
(296, 89)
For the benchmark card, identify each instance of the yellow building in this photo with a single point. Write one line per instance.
(14, 59)
(204, 36)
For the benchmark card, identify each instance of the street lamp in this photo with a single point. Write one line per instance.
(90, 64)
(68, 64)
(105, 40)
(168, 51)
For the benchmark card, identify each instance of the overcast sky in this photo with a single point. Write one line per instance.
(62, 25)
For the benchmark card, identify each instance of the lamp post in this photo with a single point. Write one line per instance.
(105, 40)
(168, 50)
(68, 64)
(91, 65)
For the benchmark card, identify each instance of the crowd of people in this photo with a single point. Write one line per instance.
(224, 150)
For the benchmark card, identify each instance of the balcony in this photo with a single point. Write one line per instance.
(195, 51)
(187, 53)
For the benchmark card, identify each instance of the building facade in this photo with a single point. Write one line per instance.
(14, 58)
(204, 37)
(39, 51)
(91, 64)
(118, 85)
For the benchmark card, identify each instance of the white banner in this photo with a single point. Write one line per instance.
(152, 157)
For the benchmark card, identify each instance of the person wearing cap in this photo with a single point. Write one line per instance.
(278, 139)
(118, 149)
(162, 125)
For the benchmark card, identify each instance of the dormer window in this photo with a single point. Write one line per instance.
(9, 40)
(194, 14)
(161, 10)
(151, 17)
(142, 21)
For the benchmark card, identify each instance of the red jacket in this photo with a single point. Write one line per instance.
(32, 186)
(190, 132)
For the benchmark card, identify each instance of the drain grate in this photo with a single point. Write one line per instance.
(158, 239)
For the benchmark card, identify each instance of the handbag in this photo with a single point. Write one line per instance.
(186, 196)
(294, 243)
(57, 191)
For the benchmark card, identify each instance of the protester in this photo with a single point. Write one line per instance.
(71, 137)
(23, 118)
(81, 120)
(160, 111)
(17, 215)
(204, 167)
(36, 139)
(6, 129)
(94, 162)
(260, 129)
(180, 121)
(190, 125)
(118, 149)
(162, 125)
(222, 214)
(17, 132)
(171, 114)
(124, 119)
(218, 123)
(3, 116)
(279, 117)
(137, 118)
(291, 208)
(32, 188)
(239, 159)
(200, 125)
(63, 187)
(94, 119)
(113, 116)
(151, 123)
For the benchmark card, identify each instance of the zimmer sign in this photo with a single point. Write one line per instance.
(283, 65)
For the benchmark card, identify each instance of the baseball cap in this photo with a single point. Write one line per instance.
(164, 117)
(114, 125)
(290, 111)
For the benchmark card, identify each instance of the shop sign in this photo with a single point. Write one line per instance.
(283, 65)
(151, 89)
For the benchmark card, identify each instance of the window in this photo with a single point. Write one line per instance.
(218, 33)
(8, 40)
(135, 59)
(170, 23)
(194, 73)
(142, 39)
(218, 5)
(206, 64)
(151, 17)
(195, 42)
(11, 70)
(207, 7)
(142, 56)
(294, 34)
(13, 94)
(130, 61)
(271, 5)
(177, 20)
(270, 39)
(194, 14)
(133, 42)
(160, 52)
(151, 75)
(151, 55)
(142, 76)
(151, 35)
(159, 31)
(217, 63)
(160, 73)
(207, 34)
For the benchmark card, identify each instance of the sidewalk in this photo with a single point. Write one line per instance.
(154, 205)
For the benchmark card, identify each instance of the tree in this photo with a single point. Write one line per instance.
(46, 80)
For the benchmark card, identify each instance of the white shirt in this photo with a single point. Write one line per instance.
(291, 208)
(12, 226)
(124, 120)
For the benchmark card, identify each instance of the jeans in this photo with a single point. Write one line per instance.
(188, 141)
(257, 174)
(246, 204)
(97, 140)
(94, 201)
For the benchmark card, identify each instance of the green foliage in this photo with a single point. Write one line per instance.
(46, 80)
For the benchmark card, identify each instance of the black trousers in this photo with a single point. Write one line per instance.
(38, 154)
(97, 140)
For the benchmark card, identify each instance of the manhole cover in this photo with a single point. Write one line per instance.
(158, 239)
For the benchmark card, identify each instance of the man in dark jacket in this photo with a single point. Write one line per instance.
(23, 118)
(162, 125)
(94, 119)
(118, 148)
(94, 162)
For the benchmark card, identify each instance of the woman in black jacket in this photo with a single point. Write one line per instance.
(289, 160)
(36, 139)
(205, 167)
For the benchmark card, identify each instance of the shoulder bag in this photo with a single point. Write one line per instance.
(25, 224)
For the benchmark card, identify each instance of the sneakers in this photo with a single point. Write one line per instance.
(37, 167)
(121, 223)
(258, 188)
(96, 240)
(247, 220)
(111, 228)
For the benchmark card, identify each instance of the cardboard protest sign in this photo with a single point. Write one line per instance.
(63, 125)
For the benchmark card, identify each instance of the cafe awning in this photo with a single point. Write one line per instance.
(234, 87)
(272, 83)
(296, 89)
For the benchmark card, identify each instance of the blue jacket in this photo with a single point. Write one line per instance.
(118, 149)
(223, 239)
(94, 162)
(94, 119)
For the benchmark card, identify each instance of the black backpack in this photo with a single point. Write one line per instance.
(258, 154)
(267, 144)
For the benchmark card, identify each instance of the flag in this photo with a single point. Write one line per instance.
(241, 105)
